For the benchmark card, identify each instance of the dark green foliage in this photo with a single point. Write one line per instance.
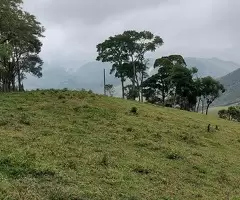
(175, 84)
(61, 96)
(133, 110)
(129, 129)
(105, 160)
(224, 114)
(126, 52)
(174, 156)
(233, 113)
(20, 45)
(212, 89)
(141, 170)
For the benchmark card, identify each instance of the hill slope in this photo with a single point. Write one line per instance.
(232, 83)
(75, 145)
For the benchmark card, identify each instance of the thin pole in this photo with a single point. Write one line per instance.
(104, 81)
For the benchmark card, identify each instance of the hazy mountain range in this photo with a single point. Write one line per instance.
(90, 76)
(232, 84)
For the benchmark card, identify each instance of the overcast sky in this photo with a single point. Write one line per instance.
(199, 28)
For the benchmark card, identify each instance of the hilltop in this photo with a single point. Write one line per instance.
(61, 145)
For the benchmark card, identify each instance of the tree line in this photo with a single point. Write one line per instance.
(232, 113)
(20, 45)
(174, 83)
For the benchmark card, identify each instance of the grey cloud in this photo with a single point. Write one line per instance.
(87, 11)
(206, 28)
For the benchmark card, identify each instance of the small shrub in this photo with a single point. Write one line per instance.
(159, 119)
(174, 156)
(86, 106)
(20, 108)
(133, 110)
(24, 119)
(61, 96)
(129, 129)
(141, 170)
(105, 160)
(90, 92)
(77, 109)
(64, 101)
(70, 164)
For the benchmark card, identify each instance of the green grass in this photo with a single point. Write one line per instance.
(62, 145)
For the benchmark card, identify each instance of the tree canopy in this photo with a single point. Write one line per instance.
(20, 44)
(126, 52)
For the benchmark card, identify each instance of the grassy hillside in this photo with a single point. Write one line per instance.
(60, 145)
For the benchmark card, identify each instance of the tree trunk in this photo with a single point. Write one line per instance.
(207, 109)
(198, 104)
(141, 90)
(19, 80)
(13, 83)
(141, 93)
(123, 93)
(163, 97)
(134, 77)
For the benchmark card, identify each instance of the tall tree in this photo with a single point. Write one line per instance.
(128, 49)
(137, 45)
(20, 32)
(211, 90)
(161, 85)
(112, 50)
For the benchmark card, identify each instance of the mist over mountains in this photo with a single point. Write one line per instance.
(90, 75)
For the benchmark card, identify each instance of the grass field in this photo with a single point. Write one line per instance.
(62, 145)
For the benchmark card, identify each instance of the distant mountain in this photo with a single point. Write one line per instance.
(212, 67)
(232, 84)
(90, 75)
(208, 66)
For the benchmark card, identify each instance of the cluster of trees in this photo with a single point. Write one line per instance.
(232, 113)
(173, 84)
(176, 84)
(20, 45)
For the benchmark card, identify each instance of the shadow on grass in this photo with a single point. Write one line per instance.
(15, 169)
